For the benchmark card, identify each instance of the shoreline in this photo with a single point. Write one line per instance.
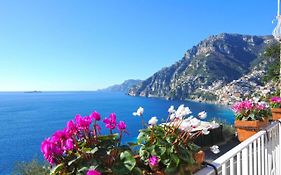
(191, 100)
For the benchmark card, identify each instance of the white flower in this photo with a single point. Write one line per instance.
(189, 118)
(214, 124)
(215, 149)
(202, 115)
(139, 112)
(265, 92)
(171, 109)
(195, 122)
(205, 131)
(153, 121)
(172, 117)
(256, 99)
(185, 126)
(180, 117)
(182, 111)
(263, 103)
(179, 110)
(186, 111)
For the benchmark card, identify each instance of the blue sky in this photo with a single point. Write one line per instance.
(87, 45)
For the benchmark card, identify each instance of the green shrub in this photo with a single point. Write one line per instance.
(34, 167)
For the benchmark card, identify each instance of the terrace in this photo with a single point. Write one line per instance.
(258, 155)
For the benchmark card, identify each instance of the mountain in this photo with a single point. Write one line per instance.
(123, 87)
(207, 67)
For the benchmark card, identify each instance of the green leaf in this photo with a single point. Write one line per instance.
(74, 161)
(108, 137)
(160, 150)
(144, 154)
(251, 117)
(56, 169)
(171, 168)
(128, 160)
(83, 169)
(132, 144)
(92, 151)
(175, 159)
(136, 171)
(186, 157)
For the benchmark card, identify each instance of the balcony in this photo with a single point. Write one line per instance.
(258, 155)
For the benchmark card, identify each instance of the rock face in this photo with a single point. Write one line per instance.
(124, 87)
(208, 67)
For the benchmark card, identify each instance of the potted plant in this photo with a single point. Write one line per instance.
(275, 104)
(250, 117)
(81, 149)
(168, 148)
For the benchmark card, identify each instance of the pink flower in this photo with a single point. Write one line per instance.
(153, 160)
(83, 123)
(276, 99)
(87, 120)
(242, 106)
(68, 145)
(121, 126)
(71, 128)
(50, 149)
(260, 106)
(95, 115)
(248, 105)
(237, 107)
(93, 172)
(59, 136)
(110, 122)
(46, 149)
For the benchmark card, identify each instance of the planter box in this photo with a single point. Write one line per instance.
(214, 137)
(199, 159)
(246, 129)
(276, 113)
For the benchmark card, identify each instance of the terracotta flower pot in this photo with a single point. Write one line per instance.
(246, 129)
(199, 157)
(276, 113)
(158, 173)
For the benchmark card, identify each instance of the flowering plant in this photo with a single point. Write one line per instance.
(169, 146)
(249, 110)
(81, 149)
(275, 102)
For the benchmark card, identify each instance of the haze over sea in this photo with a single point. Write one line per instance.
(28, 118)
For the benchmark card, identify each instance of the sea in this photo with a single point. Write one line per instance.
(26, 119)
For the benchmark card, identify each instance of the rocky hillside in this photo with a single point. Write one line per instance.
(209, 66)
(123, 87)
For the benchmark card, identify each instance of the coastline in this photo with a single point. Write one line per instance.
(187, 100)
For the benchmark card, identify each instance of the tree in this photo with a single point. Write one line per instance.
(274, 69)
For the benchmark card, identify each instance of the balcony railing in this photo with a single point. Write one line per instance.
(258, 155)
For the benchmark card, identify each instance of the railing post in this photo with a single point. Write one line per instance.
(262, 155)
(251, 159)
(255, 157)
(266, 154)
(245, 166)
(238, 163)
(259, 156)
(279, 148)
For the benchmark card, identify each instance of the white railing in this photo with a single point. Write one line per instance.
(258, 155)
